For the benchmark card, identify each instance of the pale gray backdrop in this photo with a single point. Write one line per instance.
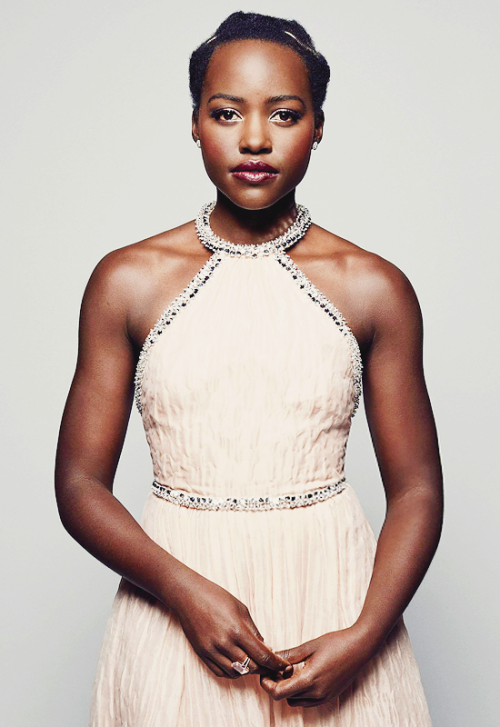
(97, 154)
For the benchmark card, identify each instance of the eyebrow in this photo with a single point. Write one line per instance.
(271, 99)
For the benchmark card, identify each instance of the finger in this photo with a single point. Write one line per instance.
(256, 631)
(214, 667)
(235, 654)
(298, 653)
(285, 688)
(268, 682)
(262, 654)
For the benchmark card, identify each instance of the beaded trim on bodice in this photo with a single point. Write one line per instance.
(275, 249)
(317, 296)
(281, 502)
(166, 318)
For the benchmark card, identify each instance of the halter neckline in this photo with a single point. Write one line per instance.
(217, 244)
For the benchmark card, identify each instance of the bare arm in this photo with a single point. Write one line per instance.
(404, 436)
(91, 437)
(90, 442)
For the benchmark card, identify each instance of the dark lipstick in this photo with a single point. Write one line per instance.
(254, 171)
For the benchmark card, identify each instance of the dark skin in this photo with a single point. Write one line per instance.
(132, 286)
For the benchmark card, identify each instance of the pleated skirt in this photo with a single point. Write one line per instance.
(301, 572)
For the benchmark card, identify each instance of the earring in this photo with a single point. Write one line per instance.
(198, 143)
(315, 146)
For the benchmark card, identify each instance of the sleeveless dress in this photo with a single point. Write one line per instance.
(247, 385)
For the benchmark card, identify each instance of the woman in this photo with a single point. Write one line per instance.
(253, 592)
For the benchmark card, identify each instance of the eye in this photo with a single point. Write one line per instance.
(223, 114)
(285, 115)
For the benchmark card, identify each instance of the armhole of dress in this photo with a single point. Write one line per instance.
(317, 296)
(166, 318)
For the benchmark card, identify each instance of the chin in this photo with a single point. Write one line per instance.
(253, 199)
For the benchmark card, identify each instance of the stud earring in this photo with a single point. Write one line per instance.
(315, 146)
(198, 143)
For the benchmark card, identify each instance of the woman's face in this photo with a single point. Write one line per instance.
(256, 106)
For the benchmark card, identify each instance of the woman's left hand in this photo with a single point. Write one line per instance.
(328, 665)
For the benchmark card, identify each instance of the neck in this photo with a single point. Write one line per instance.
(247, 227)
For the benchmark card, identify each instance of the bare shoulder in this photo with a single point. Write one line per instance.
(373, 292)
(364, 268)
(131, 267)
(131, 286)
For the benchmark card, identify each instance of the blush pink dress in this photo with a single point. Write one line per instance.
(247, 386)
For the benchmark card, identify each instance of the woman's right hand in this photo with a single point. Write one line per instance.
(221, 630)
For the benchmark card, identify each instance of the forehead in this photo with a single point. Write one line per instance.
(256, 67)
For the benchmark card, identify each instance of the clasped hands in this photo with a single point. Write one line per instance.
(222, 631)
(321, 669)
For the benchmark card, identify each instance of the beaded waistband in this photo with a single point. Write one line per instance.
(187, 499)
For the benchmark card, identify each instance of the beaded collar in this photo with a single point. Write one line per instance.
(276, 247)
(217, 244)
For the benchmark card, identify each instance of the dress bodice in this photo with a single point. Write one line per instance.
(248, 382)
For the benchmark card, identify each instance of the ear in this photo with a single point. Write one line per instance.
(194, 122)
(319, 123)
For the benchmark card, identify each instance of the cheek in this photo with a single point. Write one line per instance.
(297, 150)
(216, 140)
(215, 150)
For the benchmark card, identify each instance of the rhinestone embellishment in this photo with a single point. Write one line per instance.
(317, 296)
(275, 247)
(186, 499)
(168, 316)
(217, 244)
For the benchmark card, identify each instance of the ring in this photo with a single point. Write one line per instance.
(241, 668)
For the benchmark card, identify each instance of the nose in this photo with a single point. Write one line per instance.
(255, 137)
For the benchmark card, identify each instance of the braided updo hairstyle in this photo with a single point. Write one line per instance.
(243, 26)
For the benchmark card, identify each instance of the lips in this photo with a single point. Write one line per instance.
(251, 166)
(254, 171)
